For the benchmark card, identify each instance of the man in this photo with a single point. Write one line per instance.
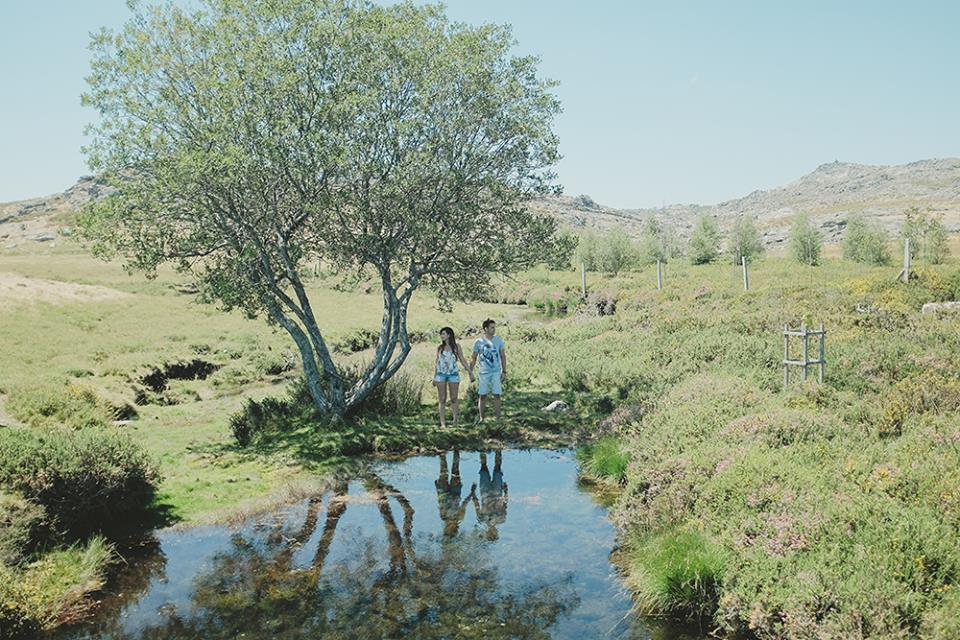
(491, 351)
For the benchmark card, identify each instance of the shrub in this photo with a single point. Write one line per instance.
(357, 340)
(23, 527)
(704, 241)
(744, 240)
(601, 303)
(929, 391)
(87, 481)
(73, 405)
(604, 460)
(677, 573)
(865, 242)
(398, 396)
(806, 242)
(273, 363)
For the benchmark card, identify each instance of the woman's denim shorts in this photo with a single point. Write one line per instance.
(447, 377)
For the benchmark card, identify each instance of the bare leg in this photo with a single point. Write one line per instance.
(442, 393)
(481, 405)
(455, 402)
(496, 406)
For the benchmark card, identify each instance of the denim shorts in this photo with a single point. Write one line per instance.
(447, 377)
(490, 383)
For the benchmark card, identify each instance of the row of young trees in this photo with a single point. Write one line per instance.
(863, 241)
(615, 251)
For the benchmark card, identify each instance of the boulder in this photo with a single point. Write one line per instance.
(934, 307)
(557, 405)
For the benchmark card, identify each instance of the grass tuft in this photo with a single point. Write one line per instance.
(678, 573)
(604, 460)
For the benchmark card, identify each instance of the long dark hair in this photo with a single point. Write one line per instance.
(453, 340)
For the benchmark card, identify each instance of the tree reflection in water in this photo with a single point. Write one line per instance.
(445, 589)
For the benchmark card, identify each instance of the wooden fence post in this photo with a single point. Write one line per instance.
(746, 280)
(823, 336)
(906, 259)
(659, 276)
(803, 330)
(786, 357)
(583, 279)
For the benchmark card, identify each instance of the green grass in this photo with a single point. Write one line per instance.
(604, 460)
(54, 589)
(44, 346)
(678, 572)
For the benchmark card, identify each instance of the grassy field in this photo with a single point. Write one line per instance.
(62, 345)
(810, 511)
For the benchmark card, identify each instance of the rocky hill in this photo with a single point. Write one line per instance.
(829, 194)
(48, 218)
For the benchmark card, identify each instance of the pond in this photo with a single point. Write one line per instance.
(464, 545)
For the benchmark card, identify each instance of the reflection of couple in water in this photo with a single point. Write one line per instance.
(490, 506)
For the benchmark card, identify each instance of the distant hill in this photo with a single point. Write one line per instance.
(47, 218)
(829, 194)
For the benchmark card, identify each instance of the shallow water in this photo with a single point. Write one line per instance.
(467, 545)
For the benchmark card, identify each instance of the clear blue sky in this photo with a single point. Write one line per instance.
(663, 101)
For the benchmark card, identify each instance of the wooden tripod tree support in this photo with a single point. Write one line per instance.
(804, 334)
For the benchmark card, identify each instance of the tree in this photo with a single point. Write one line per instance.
(704, 241)
(248, 139)
(938, 241)
(865, 242)
(805, 240)
(588, 250)
(617, 252)
(653, 245)
(744, 240)
(927, 234)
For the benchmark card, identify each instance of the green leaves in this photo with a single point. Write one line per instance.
(704, 241)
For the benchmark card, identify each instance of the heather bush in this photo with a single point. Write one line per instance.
(87, 481)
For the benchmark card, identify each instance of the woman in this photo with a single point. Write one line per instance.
(447, 374)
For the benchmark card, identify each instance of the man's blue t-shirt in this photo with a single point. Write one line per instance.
(488, 353)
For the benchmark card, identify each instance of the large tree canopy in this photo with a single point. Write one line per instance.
(249, 138)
